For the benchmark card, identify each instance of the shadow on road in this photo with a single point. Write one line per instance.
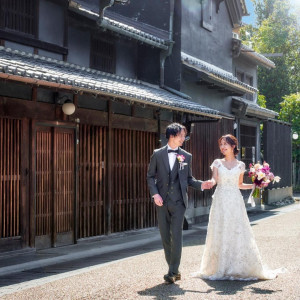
(222, 288)
(166, 291)
(228, 287)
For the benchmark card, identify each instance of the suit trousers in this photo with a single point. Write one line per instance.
(170, 223)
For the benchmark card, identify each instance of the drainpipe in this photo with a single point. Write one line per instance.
(165, 53)
(104, 4)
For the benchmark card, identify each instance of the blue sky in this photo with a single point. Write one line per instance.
(295, 8)
(250, 19)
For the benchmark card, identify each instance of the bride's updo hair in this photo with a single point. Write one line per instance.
(232, 141)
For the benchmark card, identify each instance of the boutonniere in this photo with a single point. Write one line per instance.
(181, 159)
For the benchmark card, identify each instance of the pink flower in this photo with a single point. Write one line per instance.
(181, 158)
(261, 175)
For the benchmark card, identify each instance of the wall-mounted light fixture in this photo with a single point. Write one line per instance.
(295, 136)
(68, 107)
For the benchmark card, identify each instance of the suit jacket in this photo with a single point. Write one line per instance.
(159, 172)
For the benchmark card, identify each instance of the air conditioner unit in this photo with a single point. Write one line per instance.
(235, 35)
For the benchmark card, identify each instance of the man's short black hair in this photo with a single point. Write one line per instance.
(174, 129)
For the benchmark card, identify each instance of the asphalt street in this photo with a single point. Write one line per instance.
(135, 271)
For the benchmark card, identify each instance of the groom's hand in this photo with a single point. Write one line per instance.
(207, 185)
(158, 200)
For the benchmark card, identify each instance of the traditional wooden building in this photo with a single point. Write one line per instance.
(218, 71)
(125, 71)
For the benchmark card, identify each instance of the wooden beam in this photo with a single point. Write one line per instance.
(28, 41)
(133, 123)
(19, 108)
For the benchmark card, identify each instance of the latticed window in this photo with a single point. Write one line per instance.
(19, 15)
(248, 144)
(103, 55)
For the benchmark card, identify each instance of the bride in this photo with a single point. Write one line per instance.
(231, 252)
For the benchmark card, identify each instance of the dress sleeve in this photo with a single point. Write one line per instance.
(242, 167)
(216, 164)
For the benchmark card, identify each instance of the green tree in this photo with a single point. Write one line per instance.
(290, 112)
(277, 33)
(261, 100)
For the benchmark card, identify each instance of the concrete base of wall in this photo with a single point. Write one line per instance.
(275, 195)
(197, 215)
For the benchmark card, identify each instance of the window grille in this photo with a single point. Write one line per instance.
(19, 15)
(103, 55)
(248, 144)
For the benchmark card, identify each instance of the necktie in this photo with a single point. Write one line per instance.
(175, 151)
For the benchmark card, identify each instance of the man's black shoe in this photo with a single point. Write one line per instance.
(169, 278)
(177, 276)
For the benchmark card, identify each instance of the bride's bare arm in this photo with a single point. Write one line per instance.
(244, 186)
(214, 176)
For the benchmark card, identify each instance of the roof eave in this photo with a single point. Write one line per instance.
(225, 82)
(107, 24)
(260, 113)
(134, 98)
(258, 58)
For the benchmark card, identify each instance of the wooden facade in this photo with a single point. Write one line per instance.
(65, 179)
(62, 181)
(277, 149)
(54, 186)
(10, 177)
(203, 144)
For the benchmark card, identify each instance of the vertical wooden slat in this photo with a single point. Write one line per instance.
(92, 180)
(131, 207)
(1, 174)
(105, 178)
(96, 181)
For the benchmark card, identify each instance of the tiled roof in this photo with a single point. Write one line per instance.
(216, 73)
(35, 69)
(123, 25)
(256, 110)
(262, 60)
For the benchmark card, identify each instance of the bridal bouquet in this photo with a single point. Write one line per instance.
(261, 177)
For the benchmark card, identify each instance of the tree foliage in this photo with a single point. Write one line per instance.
(277, 33)
(261, 100)
(290, 112)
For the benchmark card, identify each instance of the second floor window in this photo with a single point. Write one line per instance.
(103, 54)
(241, 76)
(19, 16)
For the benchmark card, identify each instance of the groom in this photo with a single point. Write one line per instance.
(169, 175)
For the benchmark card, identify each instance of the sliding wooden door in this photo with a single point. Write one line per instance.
(54, 186)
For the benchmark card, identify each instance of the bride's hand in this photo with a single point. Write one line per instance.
(207, 185)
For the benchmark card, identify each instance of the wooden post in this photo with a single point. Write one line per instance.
(109, 170)
(32, 186)
(76, 206)
(24, 205)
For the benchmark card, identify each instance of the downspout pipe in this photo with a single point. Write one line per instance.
(165, 53)
(104, 4)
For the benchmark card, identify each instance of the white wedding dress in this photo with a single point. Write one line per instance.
(230, 251)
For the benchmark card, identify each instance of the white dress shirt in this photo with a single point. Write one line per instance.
(172, 157)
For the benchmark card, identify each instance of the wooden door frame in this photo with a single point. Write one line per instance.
(32, 201)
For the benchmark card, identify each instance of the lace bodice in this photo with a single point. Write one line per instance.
(228, 178)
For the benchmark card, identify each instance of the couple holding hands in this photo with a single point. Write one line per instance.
(230, 250)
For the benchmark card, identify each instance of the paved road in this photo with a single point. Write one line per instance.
(137, 273)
